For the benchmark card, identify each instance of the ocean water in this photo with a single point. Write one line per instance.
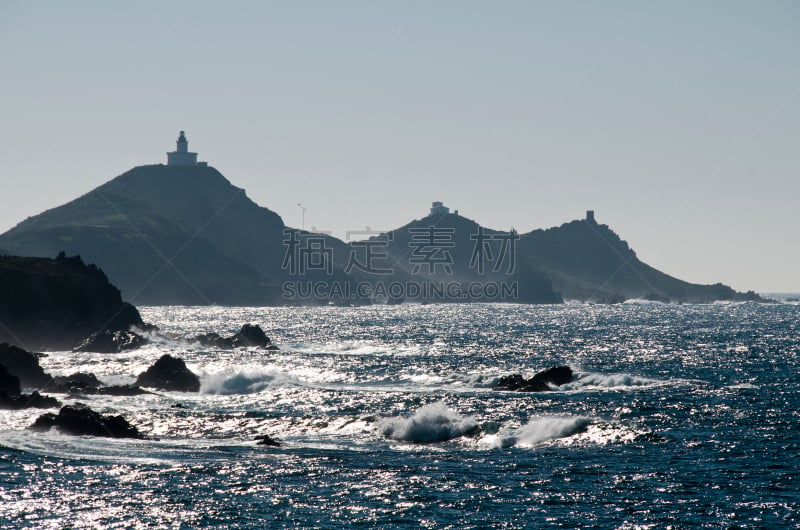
(680, 416)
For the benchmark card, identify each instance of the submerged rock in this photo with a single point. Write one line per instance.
(556, 376)
(110, 342)
(169, 373)
(80, 420)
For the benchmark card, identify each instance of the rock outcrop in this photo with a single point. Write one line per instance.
(249, 335)
(108, 341)
(84, 383)
(79, 382)
(80, 420)
(9, 383)
(169, 373)
(11, 396)
(541, 382)
(269, 441)
(25, 366)
(57, 303)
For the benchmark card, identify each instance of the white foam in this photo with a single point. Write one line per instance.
(354, 348)
(598, 380)
(431, 423)
(537, 431)
(245, 381)
(743, 386)
(475, 380)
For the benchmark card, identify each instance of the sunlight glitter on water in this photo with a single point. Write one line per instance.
(689, 399)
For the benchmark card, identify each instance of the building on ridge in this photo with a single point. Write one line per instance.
(181, 156)
(437, 208)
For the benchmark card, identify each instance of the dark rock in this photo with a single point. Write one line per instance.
(24, 401)
(9, 383)
(24, 365)
(268, 440)
(511, 382)
(249, 335)
(178, 406)
(80, 420)
(110, 342)
(556, 376)
(56, 303)
(169, 373)
(214, 340)
(87, 384)
(78, 379)
(11, 396)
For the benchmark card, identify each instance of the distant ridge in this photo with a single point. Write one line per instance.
(590, 262)
(184, 235)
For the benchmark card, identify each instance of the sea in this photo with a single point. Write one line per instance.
(679, 416)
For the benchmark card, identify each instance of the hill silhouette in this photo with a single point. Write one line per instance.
(462, 258)
(186, 235)
(590, 262)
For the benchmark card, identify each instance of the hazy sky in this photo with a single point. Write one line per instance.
(678, 122)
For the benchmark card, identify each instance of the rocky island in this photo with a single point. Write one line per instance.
(183, 234)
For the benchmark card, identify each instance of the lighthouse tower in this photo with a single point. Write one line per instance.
(181, 156)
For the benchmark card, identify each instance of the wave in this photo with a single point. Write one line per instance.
(615, 381)
(354, 348)
(245, 381)
(430, 423)
(582, 381)
(539, 430)
(743, 386)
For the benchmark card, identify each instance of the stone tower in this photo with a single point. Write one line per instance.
(181, 156)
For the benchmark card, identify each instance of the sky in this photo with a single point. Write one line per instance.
(677, 122)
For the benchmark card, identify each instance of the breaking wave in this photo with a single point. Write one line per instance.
(597, 380)
(539, 430)
(244, 382)
(430, 423)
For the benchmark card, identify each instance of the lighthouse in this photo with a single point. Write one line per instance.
(181, 156)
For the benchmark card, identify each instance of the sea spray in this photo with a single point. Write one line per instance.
(244, 381)
(539, 430)
(430, 423)
(616, 381)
